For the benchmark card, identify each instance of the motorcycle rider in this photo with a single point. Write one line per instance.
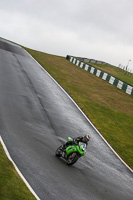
(83, 139)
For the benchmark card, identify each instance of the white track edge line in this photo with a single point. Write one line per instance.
(18, 171)
(83, 114)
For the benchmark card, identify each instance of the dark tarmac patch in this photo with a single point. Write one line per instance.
(12, 48)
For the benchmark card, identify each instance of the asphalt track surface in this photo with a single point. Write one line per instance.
(36, 116)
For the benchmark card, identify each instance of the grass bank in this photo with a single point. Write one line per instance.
(11, 185)
(109, 109)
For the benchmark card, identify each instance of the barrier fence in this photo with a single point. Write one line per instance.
(103, 75)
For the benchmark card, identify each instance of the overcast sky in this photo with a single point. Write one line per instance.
(98, 29)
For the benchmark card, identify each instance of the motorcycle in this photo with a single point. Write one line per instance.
(72, 153)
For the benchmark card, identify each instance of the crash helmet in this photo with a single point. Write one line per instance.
(86, 138)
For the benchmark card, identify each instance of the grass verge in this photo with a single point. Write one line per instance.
(109, 109)
(11, 185)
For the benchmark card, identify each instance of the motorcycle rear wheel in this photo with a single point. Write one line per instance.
(72, 158)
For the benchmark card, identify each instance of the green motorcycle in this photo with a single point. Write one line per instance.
(72, 153)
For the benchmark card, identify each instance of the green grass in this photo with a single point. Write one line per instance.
(109, 109)
(11, 185)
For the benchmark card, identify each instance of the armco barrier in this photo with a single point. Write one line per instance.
(103, 75)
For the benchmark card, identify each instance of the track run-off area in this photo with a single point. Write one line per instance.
(37, 116)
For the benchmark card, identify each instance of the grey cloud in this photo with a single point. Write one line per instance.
(93, 28)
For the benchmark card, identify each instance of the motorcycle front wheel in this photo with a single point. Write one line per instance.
(72, 158)
(58, 151)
